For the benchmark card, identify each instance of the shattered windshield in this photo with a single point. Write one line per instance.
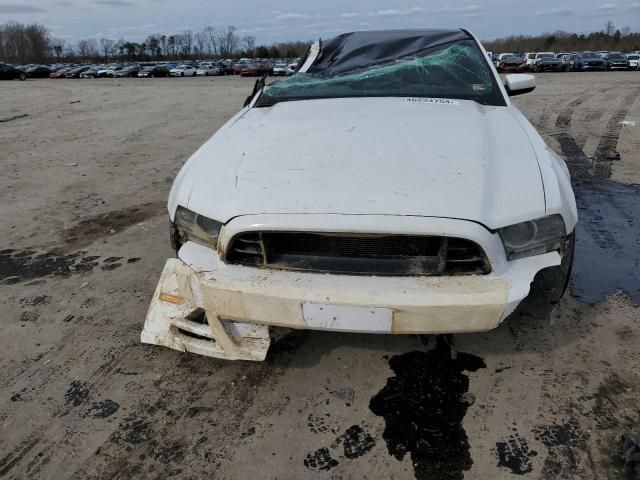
(454, 70)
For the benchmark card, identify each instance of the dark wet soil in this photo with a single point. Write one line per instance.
(423, 406)
(103, 409)
(607, 254)
(515, 455)
(21, 266)
(353, 443)
(88, 230)
(77, 393)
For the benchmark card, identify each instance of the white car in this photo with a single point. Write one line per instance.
(280, 70)
(183, 71)
(409, 203)
(206, 69)
(291, 68)
(633, 61)
(539, 56)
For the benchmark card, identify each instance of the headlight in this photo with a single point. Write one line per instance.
(534, 237)
(190, 226)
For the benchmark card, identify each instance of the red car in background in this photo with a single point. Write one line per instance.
(60, 73)
(256, 70)
(512, 64)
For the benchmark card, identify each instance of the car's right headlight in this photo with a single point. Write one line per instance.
(533, 237)
(190, 226)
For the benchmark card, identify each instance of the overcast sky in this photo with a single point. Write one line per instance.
(275, 20)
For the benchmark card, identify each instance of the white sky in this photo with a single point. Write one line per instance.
(275, 20)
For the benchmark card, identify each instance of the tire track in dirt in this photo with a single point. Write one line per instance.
(565, 116)
(606, 151)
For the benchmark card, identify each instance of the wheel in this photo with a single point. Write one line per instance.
(22, 77)
(551, 283)
(206, 74)
(182, 74)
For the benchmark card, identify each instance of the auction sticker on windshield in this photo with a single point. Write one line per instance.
(439, 101)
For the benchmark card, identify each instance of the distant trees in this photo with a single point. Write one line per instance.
(87, 49)
(610, 39)
(33, 44)
(23, 43)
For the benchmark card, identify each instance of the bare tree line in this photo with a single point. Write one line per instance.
(23, 43)
(34, 44)
(609, 39)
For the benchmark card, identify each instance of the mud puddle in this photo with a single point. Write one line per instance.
(607, 255)
(423, 406)
(28, 265)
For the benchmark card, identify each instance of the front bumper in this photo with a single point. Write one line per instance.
(205, 306)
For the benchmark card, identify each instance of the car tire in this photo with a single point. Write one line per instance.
(182, 74)
(22, 77)
(551, 283)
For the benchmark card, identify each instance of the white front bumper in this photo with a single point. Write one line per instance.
(240, 303)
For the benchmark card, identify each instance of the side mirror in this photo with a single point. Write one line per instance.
(519, 83)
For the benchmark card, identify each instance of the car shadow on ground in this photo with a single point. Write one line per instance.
(533, 327)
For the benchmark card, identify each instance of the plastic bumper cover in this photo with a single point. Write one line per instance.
(225, 310)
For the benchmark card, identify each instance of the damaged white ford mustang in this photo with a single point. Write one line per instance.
(413, 197)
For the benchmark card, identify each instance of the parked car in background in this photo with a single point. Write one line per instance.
(238, 67)
(153, 71)
(184, 70)
(76, 72)
(512, 64)
(110, 70)
(529, 58)
(291, 68)
(226, 68)
(568, 61)
(91, 72)
(548, 64)
(130, 71)
(616, 61)
(7, 72)
(60, 73)
(206, 69)
(280, 70)
(590, 61)
(39, 71)
(538, 57)
(256, 70)
(634, 60)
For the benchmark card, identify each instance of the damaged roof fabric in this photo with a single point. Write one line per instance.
(358, 50)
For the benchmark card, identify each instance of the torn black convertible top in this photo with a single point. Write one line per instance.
(359, 50)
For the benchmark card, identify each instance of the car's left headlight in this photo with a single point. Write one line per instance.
(190, 226)
(533, 237)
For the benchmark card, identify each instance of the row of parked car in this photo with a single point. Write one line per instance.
(504, 62)
(245, 68)
(564, 62)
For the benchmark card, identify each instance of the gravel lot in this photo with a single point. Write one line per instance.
(86, 176)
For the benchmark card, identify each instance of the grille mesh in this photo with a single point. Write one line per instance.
(399, 255)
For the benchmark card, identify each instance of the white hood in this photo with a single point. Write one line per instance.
(379, 156)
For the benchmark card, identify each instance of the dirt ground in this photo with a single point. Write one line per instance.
(84, 227)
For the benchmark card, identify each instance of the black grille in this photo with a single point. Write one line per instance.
(358, 254)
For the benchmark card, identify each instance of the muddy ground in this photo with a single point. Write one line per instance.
(84, 238)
